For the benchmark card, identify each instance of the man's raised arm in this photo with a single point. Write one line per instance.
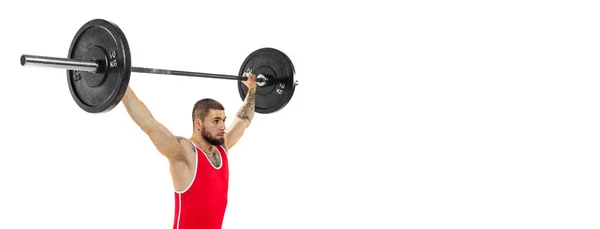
(166, 143)
(244, 115)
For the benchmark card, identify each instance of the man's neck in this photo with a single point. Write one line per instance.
(201, 143)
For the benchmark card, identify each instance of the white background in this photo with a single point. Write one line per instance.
(416, 114)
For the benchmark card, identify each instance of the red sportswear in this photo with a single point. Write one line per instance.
(202, 205)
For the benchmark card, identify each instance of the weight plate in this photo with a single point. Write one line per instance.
(280, 72)
(104, 42)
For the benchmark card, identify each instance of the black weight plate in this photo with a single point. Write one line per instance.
(104, 42)
(279, 70)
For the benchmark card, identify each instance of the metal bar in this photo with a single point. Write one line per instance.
(92, 66)
(64, 63)
(184, 73)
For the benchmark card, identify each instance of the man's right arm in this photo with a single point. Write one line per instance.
(166, 143)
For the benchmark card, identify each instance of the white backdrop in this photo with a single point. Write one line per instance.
(416, 114)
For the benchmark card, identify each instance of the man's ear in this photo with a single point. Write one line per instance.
(197, 124)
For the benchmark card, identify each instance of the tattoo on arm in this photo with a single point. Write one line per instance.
(179, 139)
(247, 110)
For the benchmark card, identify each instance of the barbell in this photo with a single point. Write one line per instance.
(99, 67)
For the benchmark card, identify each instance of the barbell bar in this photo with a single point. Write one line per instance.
(99, 67)
(95, 67)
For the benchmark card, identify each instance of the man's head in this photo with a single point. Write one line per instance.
(208, 117)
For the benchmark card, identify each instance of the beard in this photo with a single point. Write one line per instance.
(210, 139)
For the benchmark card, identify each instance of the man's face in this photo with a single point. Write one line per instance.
(213, 127)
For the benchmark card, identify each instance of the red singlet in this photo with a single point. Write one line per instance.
(202, 205)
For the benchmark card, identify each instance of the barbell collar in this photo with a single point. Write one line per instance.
(261, 80)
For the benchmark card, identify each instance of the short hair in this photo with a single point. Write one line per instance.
(203, 106)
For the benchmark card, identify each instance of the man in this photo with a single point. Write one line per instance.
(198, 165)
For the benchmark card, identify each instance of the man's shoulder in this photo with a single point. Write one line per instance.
(223, 148)
(187, 144)
(181, 139)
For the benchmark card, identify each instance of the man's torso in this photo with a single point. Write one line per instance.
(201, 185)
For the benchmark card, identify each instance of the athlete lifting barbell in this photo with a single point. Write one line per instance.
(98, 70)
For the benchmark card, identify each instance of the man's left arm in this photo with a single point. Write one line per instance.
(244, 115)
